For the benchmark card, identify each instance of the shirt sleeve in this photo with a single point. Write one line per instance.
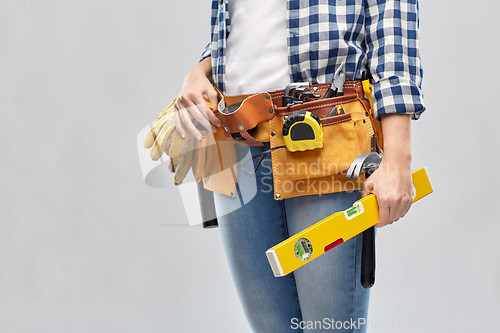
(206, 52)
(393, 57)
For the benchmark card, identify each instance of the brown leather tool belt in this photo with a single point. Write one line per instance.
(247, 123)
(257, 118)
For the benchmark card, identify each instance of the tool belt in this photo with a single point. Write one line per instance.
(345, 124)
(254, 119)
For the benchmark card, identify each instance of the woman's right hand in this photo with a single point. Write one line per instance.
(190, 102)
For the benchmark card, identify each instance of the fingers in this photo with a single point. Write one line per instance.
(163, 138)
(150, 139)
(392, 207)
(184, 163)
(404, 204)
(212, 118)
(393, 198)
(183, 122)
(384, 212)
(155, 130)
(200, 111)
(192, 105)
(383, 207)
(212, 98)
(368, 187)
(401, 202)
(178, 124)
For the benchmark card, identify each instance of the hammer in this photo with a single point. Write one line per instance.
(367, 163)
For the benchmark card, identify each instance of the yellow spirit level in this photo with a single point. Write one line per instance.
(323, 236)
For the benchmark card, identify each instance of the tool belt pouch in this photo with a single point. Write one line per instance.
(322, 170)
(257, 118)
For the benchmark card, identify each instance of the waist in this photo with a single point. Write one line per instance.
(245, 118)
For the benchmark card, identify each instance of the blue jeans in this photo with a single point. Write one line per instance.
(322, 295)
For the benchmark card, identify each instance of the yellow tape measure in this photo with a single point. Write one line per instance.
(302, 131)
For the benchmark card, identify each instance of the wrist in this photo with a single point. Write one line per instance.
(203, 68)
(395, 151)
(399, 162)
(397, 139)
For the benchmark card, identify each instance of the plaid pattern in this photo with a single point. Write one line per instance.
(379, 35)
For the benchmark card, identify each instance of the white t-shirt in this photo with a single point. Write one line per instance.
(256, 50)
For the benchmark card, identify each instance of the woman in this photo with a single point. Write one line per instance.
(260, 46)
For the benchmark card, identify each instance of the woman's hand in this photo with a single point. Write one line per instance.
(190, 102)
(391, 183)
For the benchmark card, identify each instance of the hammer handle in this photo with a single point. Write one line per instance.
(368, 253)
(368, 258)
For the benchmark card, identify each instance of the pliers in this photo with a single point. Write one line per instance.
(337, 87)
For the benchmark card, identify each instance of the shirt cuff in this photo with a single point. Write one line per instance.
(207, 52)
(397, 94)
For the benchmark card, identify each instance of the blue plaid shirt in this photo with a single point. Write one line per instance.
(379, 35)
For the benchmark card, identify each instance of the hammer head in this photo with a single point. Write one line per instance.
(366, 161)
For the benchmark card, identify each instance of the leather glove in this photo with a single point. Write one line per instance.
(184, 153)
(161, 133)
(181, 155)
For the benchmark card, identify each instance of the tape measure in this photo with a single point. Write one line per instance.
(302, 131)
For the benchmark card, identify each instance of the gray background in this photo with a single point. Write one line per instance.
(82, 246)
